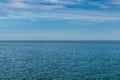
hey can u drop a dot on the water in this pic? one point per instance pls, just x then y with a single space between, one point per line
59 60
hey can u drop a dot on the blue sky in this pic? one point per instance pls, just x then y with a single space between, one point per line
60 20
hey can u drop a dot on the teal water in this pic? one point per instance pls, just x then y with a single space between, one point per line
59 60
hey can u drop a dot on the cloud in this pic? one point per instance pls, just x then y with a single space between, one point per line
69 15
99 5
22 5
56 10
19 4
114 2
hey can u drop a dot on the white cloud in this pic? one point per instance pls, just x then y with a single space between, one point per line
69 15
19 4
18 9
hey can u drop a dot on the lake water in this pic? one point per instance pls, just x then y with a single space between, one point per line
59 60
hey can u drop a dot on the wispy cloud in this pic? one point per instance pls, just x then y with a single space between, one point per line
114 2
57 10
100 5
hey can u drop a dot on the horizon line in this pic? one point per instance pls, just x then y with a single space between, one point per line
59 40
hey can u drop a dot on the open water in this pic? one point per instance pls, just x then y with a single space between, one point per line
59 60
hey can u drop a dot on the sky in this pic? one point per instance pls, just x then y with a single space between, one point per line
59 19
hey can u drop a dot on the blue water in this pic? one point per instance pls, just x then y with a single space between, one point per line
59 60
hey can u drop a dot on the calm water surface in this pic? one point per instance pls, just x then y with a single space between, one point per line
59 60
